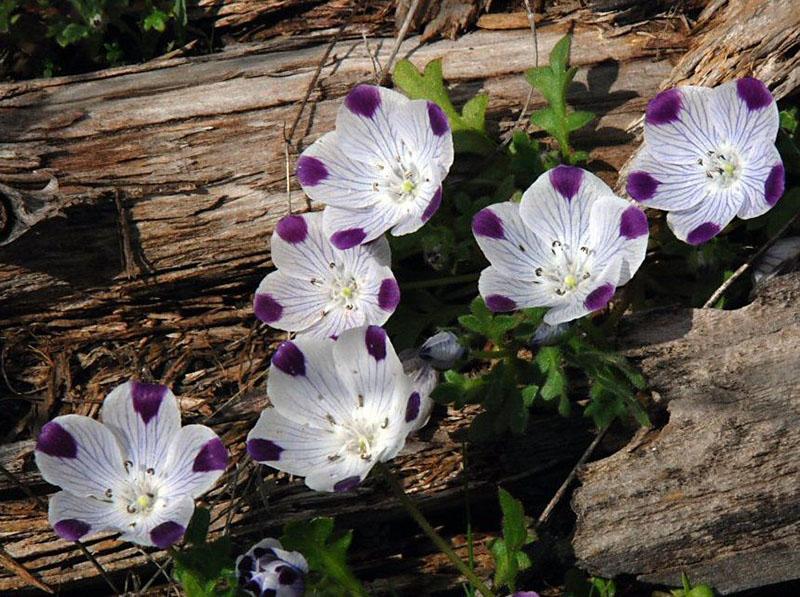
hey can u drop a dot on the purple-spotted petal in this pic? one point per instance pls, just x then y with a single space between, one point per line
500 303
375 340
618 232
425 131
413 406
762 182
745 113
702 233
699 225
347 484
264 450
289 359
348 238
599 297
363 100
678 127
566 180
433 206
503 292
79 455
74 518
197 459
292 229
71 529
389 294
145 418
167 534
267 308
311 171
289 303
642 186
664 108
663 185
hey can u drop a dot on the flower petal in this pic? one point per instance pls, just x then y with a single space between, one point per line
556 206
664 185
678 125
366 358
425 131
145 418
587 298
289 303
510 246
197 458
419 211
700 224
347 228
503 292
299 247
80 455
164 526
304 383
618 230
74 518
762 182
744 112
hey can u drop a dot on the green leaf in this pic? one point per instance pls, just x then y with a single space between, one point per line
155 21
546 119
515 531
474 112
578 120
206 570
472 323
529 394
72 33
197 530
325 554
507 551
559 55
789 120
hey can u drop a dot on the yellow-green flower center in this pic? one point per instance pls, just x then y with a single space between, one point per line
571 282
408 186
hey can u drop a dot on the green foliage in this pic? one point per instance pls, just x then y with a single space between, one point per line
576 584
326 555
557 119
509 558
205 569
469 125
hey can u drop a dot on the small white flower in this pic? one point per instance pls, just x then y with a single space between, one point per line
319 290
442 350
709 155
567 245
137 472
338 408
382 168
268 569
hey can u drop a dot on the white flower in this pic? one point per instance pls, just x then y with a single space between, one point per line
320 290
567 245
709 155
268 569
442 350
338 408
137 472
382 168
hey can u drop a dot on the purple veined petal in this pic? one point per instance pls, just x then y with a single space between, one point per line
416 213
442 350
425 131
330 175
424 379
347 228
389 294
618 230
145 418
304 384
590 297
347 484
599 297
367 362
744 112
366 125
288 303
74 518
701 224
502 292
348 238
509 245
196 460
678 126
413 407
556 206
165 526
307 254
167 534
762 182
433 206
79 455
292 229
663 185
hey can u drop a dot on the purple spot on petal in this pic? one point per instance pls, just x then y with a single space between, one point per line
363 100
246 563
56 441
774 185
266 308
439 124
753 93
212 457
166 534
310 171
498 302
599 297
389 294
147 399
412 407
71 529
703 233
290 359
487 223
566 180
433 206
642 186
346 239
263 450
633 223
664 108
269 593
375 339
292 229
347 484
286 575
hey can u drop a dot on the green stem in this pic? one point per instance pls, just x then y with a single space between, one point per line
420 519
343 576
452 280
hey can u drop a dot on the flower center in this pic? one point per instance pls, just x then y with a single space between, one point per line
568 269
359 438
137 496
344 290
722 167
401 180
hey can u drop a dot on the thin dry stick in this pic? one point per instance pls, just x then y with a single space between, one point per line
401 35
155 576
376 67
747 264
41 503
161 570
9 563
521 117
565 485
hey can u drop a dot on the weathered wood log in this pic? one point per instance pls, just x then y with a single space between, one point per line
714 492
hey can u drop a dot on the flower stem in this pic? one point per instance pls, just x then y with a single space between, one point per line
420 519
451 281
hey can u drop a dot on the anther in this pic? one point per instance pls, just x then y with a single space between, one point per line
151 471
